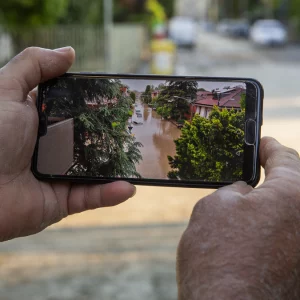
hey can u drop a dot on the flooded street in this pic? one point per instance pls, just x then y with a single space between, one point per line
157 137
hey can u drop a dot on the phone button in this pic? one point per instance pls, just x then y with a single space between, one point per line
250 134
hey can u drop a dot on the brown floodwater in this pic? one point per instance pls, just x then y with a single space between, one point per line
157 137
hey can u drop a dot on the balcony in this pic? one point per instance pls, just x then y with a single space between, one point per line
56 148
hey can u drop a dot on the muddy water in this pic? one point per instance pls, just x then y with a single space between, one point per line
157 137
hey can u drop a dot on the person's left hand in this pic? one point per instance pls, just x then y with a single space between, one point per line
27 205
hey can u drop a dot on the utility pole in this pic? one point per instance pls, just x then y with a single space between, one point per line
108 27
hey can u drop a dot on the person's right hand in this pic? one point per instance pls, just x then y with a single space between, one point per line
27 205
244 243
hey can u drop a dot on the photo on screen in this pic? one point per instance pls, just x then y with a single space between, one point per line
137 128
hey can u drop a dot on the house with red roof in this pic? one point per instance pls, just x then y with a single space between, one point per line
206 100
155 94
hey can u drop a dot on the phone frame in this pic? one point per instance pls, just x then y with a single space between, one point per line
254 111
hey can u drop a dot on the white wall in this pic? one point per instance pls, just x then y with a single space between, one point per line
192 8
6 51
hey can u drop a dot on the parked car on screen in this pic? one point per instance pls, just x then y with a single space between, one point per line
268 33
183 31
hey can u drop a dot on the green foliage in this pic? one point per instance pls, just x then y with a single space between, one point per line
175 96
146 97
31 13
83 12
169 6
137 12
164 111
133 96
243 101
294 9
102 145
210 149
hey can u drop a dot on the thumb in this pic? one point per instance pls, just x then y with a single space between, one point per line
30 67
275 158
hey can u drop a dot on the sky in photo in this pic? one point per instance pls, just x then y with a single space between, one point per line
140 85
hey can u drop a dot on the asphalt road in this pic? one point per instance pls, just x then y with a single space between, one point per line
128 252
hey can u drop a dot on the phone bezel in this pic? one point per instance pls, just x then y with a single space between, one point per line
251 168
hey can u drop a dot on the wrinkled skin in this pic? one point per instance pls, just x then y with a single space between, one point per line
27 205
244 243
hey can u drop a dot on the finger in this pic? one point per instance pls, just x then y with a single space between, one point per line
274 156
232 193
87 197
33 94
239 187
32 66
222 199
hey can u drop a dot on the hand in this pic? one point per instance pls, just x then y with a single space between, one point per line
27 205
244 243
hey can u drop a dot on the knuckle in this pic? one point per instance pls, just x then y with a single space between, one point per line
30 51
292 152
202 206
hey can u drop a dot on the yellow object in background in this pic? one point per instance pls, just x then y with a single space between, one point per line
163 57
157 10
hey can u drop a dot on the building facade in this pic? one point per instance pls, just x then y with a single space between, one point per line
206 100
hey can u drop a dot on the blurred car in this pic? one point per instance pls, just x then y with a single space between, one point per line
268 33
208 26
234 27
183 31
239 28
224 26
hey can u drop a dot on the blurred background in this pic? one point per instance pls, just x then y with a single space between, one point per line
129 252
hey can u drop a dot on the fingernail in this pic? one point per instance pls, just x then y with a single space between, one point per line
63 49
134 192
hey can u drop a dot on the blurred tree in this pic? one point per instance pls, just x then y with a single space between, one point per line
140 11
83 12
19 17
210 149
294 8
31 13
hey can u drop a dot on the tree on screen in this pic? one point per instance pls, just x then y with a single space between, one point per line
100 109
210 149
176 97
133 96
146 97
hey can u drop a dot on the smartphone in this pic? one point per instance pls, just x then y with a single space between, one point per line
150 130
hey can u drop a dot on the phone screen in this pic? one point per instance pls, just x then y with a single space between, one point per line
143 128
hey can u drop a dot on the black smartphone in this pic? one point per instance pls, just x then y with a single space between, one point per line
149 130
